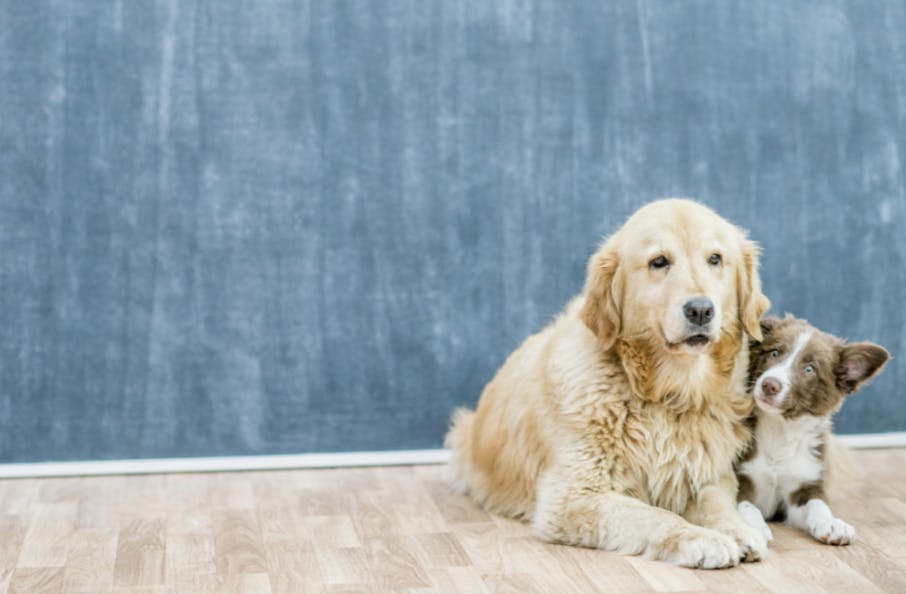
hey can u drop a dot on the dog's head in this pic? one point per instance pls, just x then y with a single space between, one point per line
678 276
797 369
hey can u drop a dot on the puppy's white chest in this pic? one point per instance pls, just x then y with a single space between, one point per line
785 459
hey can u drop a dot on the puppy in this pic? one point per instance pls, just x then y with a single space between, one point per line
617 425
800 376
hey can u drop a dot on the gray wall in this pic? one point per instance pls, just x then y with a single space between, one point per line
251 227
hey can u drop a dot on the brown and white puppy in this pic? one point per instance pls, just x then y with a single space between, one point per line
800 376
617 425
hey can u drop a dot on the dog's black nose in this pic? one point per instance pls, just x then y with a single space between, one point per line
699 311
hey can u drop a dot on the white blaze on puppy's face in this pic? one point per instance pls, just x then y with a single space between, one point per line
780 372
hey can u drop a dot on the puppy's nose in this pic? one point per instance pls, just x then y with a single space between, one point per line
699 311
770 386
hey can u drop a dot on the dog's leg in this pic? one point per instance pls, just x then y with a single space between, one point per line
614 522
816 518
751 514
715 507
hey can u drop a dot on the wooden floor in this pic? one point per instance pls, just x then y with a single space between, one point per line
383 529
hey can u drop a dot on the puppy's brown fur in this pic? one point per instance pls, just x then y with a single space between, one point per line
800 376
611 428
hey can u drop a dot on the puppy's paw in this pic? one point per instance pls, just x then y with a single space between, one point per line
753 517
833 531
700 548
752 542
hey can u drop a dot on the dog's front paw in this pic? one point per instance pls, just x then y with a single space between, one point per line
701 548
833 531
752 515
752 541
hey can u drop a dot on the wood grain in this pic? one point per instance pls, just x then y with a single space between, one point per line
381 530
47 540
238 544
37 580
90 565
140 553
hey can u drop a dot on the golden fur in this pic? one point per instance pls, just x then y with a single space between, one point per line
605 429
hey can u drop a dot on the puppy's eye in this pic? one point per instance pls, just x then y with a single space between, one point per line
809 370
659 262
715 260
775 353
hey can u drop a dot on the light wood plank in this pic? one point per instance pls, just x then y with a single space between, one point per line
37 580
247 583
292 566
663 577
439 549
455 580
393 565
238 545
191 563
6 576
140 553
339 565
90 565
386 529
604 571
335 530
12 535
47 542
878 567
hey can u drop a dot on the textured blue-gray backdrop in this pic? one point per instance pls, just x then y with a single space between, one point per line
252 227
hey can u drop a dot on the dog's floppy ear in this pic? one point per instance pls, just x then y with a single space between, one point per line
601 311
858 363
752 302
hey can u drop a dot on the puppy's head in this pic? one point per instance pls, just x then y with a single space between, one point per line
797 369
675 274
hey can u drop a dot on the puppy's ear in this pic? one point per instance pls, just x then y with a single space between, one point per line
752 302
767 326
858 363
601 311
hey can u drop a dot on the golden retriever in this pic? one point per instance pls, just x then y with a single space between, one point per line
617 425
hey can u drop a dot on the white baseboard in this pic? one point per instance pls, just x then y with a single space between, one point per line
862 441
223 464
292 461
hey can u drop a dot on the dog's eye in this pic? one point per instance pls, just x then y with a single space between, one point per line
715 260
809 369
775 353
659 262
